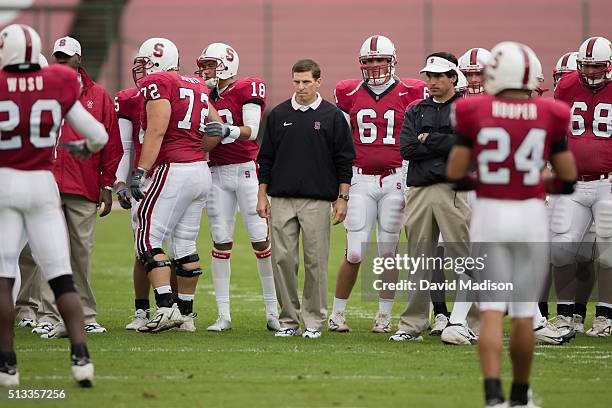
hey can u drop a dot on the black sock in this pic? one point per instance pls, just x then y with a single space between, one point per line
141 304
543 309
163 300
440 308
518 394
493 391
565 310
8 358
603 311
79 350
185 306
580 309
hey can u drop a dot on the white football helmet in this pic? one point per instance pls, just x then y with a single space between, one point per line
473 62
19 45
462 83
42 61
377 46
512 66
540 75
227 61
567 63
155 55
594 62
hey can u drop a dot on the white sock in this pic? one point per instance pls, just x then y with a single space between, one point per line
385 306
186 297
339 305
537 317
608 305
221 271
266 275
460 312
164 289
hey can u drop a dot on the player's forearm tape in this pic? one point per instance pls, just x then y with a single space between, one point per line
234 132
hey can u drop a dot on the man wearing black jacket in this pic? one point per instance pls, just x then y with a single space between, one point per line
432 207
305 163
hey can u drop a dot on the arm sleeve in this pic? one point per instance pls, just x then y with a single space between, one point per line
344 149
113 151
251 117
83 122
410 147
266 155
123 170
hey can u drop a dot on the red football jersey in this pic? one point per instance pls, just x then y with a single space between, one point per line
188 96
128 105
511 141
591 124
32 106
229 105
376 120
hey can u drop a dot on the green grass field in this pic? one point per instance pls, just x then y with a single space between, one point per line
249 367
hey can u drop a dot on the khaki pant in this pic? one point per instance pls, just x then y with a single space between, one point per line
432 210
288 216
35 299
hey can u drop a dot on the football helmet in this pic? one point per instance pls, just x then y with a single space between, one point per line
567 63
377 47
155 55
473 62
462 83
42 61
227 61
540 90
594 62
512 66
19 45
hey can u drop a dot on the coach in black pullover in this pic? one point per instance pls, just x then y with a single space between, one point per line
305 162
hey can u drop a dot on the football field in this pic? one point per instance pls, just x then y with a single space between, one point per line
249 367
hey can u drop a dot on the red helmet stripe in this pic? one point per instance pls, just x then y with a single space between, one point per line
473 56
590 45
374 43
565 59
527 67
28 44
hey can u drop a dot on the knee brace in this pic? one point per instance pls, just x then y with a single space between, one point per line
221 254
62 284
265 253
146 258
191 273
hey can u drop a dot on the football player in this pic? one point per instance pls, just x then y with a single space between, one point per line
565 64
509 137
374 107
589 94
33 102
472 64
176 113
240 102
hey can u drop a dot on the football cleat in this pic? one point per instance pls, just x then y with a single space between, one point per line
58 331
42 328
337 323
272 322
287 332
94 328
530 403
458 334
83 371
9 376
602 327
547 333
311 334
188 323
401 335
165 318
221 324
565 326
578 322
26 322
138 320
440 322
497 405
382 323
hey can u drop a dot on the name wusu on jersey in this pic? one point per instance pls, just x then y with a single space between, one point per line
29 84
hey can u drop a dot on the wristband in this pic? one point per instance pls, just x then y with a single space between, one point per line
234 132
